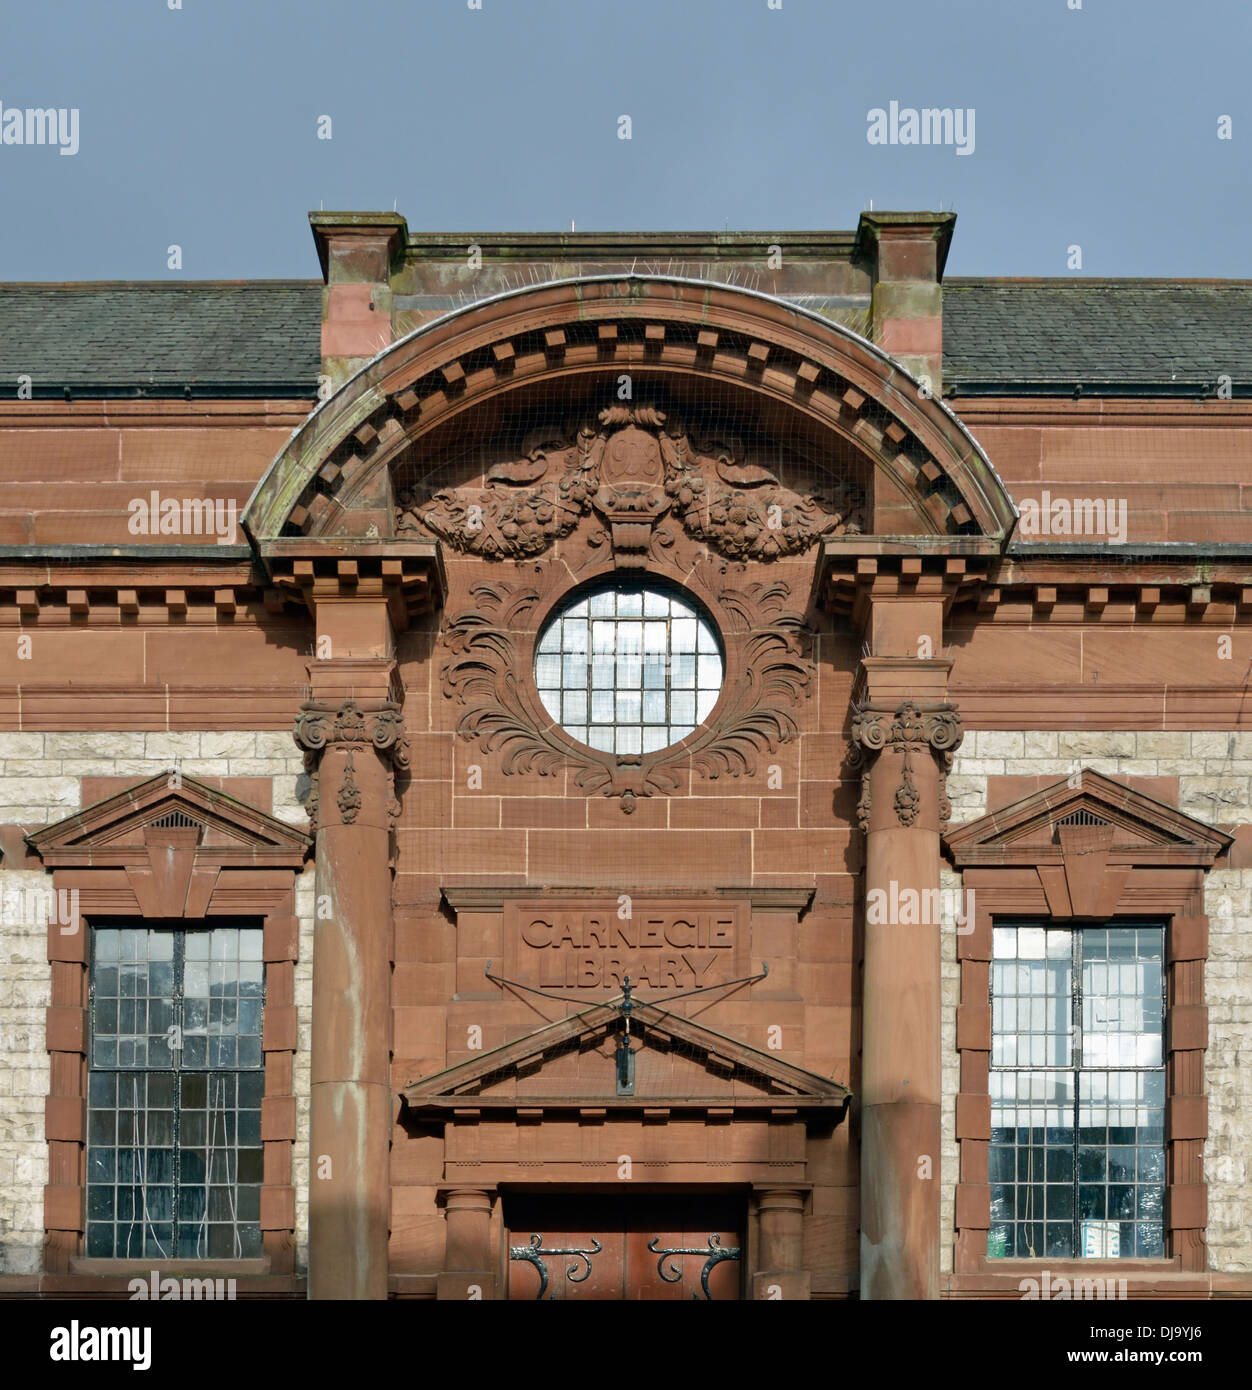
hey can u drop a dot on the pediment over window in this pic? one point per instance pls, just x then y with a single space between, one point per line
679 1065
1099 815
171 844
1084 842
217 826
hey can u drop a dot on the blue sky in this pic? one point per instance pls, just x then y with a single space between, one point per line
198 126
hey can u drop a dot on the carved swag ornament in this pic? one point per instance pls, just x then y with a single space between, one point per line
318 726
631 473
487 672
935 728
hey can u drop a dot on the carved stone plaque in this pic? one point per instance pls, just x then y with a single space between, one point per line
591 945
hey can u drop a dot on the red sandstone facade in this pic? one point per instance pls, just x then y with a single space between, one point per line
482 882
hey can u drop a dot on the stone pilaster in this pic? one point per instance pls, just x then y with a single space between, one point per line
905 751
468 1264
781 1274
354 746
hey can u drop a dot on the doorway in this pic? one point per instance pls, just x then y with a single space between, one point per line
604 1248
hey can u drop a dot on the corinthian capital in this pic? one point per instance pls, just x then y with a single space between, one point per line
318 726
909 726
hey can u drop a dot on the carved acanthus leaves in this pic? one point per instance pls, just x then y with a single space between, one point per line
485 674
630 470
743 510
777 676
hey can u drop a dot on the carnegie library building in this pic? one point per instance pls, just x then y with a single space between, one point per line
635 766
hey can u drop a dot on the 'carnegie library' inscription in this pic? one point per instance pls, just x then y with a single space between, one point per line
661 946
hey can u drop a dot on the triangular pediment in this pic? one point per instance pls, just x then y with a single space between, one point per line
1090 812
571 1064
118 830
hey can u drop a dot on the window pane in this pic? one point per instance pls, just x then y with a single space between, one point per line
655 671
1076 1159
157 1128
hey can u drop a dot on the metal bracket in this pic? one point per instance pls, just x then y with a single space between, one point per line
533 1251
715 1251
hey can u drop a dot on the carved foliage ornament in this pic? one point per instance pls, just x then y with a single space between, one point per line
935 729
318 726
631 473
487 672
349 798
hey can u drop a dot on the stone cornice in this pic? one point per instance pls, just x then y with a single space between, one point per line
493 896
1122 584
407 574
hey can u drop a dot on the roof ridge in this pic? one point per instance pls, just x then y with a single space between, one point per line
1092 282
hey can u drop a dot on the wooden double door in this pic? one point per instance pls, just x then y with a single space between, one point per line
603 1248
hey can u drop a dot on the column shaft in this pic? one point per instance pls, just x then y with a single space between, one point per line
351 1096
900 1010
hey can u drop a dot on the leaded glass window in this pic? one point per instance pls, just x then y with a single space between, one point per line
630 669
1077 1153
175 1080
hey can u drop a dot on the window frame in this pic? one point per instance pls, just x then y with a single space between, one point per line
179 929
1019 862
115 865
1075 1068
617 582
1186 1124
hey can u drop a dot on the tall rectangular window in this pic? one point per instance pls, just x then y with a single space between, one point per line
175 1079
1077 1153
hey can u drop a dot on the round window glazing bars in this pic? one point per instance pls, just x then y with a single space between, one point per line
629 669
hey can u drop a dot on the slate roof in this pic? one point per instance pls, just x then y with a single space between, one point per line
262 338
1171 334
108 338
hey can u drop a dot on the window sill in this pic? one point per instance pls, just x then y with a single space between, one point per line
988 1266
1069 1263
191 1269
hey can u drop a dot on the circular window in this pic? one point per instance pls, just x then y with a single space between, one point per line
629 669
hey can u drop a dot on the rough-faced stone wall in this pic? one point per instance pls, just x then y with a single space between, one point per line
300 1079
950 1064
1207 775
25 992
41 781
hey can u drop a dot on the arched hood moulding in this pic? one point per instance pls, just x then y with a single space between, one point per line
565 334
